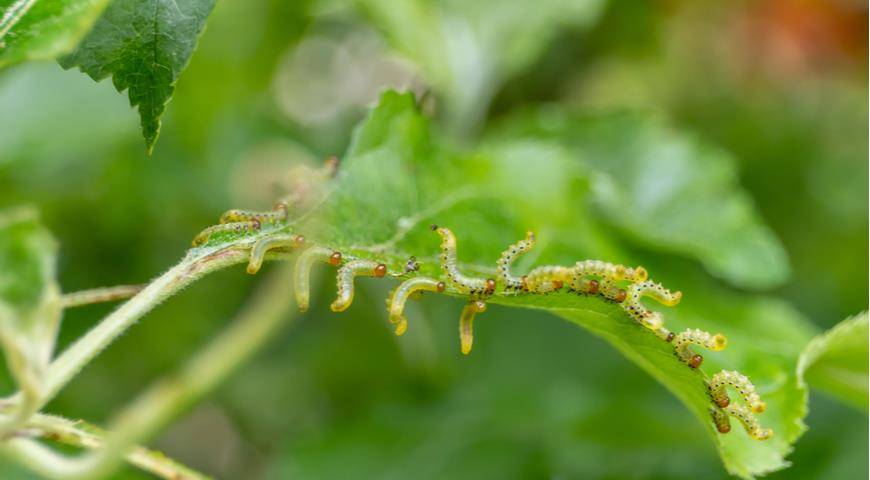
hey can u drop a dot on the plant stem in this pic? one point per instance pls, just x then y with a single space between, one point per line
255 325
81 434
99 295
74 358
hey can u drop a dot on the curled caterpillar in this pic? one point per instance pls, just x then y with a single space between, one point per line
750 423
720 382
655 291
503 266
633 306
302 272
346 275
263 245
398 297
476 287
701 338
466 324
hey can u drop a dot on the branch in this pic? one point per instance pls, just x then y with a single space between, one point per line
74 358
84 435
254 326
99 295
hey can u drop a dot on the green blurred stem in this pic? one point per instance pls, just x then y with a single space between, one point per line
83 435
28 381
254 326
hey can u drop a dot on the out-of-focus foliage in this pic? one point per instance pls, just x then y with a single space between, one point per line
29 294
662 189
837 361
32 30
780 86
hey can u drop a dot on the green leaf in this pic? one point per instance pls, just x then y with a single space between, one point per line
399 177
42 30
669 192
29 294
836 362
144 46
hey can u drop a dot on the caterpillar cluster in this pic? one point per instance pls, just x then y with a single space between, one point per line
625 286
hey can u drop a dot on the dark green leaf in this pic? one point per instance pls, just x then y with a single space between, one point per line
144 46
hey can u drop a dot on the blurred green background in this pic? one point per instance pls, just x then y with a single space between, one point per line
781 84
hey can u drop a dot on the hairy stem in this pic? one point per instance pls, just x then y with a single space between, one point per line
74 358
82 435
99 295
254 326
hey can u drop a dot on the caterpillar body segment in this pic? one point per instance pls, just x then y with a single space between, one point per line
720 382
548 278
721 420
346 275
701 338
613 271
665 334
466 324
648 318
278 214
653 290
263 245
302 272
476 287
503 266
238 227
398 297
608 277
750 423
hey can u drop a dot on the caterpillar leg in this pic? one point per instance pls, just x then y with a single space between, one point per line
720 382
476 287
262 246
398 297
346 275
246 226
466 324
750 423
701 338
503 265
302 271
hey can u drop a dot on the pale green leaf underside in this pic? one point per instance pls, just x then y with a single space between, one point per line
144 45
836 362
29 294
398 178
44 29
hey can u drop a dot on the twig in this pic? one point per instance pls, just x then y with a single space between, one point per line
99 295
